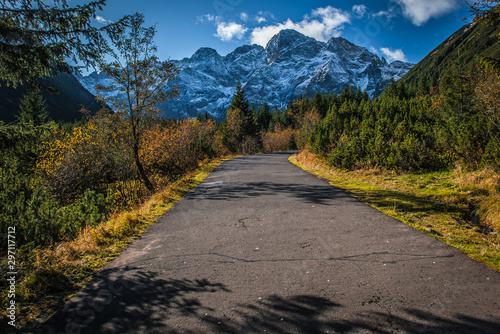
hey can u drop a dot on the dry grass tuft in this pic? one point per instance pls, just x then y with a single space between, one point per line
482 186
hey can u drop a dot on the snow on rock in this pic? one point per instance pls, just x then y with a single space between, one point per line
290 65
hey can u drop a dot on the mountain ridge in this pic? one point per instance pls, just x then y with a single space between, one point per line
458 50
290 66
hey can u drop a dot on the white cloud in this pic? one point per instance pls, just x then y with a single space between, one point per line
421 11
359 10
333 19
262 35
323 24
102 20
228 31
384 13
260 19
244 16
207 18
393 55
267 14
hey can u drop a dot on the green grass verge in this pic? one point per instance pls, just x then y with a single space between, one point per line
48 278
433 202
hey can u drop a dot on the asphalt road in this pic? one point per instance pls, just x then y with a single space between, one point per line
264 247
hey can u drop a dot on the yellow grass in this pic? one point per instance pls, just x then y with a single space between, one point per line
457 207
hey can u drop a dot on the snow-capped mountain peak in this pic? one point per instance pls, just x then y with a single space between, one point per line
290 65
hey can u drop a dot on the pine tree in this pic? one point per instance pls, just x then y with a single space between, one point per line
241 129
37 39
422 86
264 116
239 102
318 103
33 108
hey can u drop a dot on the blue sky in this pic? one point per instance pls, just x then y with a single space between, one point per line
397 29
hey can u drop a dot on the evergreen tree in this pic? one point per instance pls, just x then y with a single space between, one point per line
318 102
33 108
359 94
422 87
203 117
37 39
264 116
391 89
239 102
275 118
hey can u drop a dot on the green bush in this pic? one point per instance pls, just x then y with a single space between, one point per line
37 216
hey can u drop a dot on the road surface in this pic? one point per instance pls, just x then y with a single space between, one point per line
264 247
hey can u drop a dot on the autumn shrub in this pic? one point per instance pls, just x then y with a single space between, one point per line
280 140
483 187
89 158
77 178
233 130
172 149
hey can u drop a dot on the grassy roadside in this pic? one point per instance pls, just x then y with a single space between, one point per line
49 277
455 207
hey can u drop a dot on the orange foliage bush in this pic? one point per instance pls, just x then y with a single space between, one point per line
91 157
98 156
172 149
280 140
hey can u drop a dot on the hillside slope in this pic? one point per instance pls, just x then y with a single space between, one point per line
461 48
64 106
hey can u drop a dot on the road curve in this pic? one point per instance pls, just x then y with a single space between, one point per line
264 247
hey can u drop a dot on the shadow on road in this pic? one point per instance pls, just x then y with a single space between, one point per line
130 300
307 314
311 194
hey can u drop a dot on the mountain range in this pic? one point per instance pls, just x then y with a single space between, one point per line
290 66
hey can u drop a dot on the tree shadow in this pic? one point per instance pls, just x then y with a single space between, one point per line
311 314
130 300
314 194
126 299
411 203
277 314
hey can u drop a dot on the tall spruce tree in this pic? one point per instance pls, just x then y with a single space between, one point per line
239 102
33 108
241 129
263 117
38 39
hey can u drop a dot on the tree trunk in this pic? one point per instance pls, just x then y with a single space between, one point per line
141 170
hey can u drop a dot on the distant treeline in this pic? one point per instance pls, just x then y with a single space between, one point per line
410 127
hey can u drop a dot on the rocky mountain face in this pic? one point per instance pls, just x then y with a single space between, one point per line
291 65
